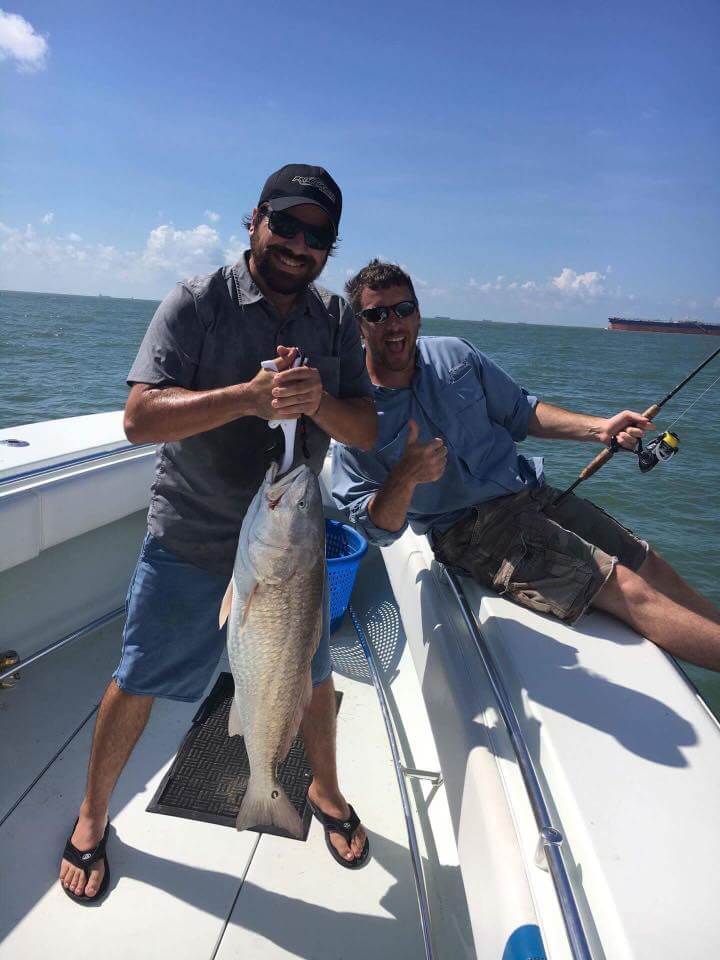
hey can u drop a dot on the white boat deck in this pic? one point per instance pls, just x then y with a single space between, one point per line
626 756
190 889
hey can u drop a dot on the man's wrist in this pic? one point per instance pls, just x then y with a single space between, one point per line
244 400
401 477
323 394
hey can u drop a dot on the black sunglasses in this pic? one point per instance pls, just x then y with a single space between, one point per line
285 225
380 314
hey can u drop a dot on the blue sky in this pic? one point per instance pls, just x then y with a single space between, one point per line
544 162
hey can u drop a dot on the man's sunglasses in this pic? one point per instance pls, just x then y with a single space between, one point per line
402 309
285 225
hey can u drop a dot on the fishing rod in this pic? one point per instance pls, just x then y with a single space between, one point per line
660 449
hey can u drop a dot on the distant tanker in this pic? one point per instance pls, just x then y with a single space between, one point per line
663 326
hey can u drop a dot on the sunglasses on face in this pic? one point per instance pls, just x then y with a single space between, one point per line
285 225
402 309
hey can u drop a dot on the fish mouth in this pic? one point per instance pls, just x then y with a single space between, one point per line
277 487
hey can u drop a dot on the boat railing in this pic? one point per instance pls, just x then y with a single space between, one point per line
401 772
550 837
60 466
11 664
9 675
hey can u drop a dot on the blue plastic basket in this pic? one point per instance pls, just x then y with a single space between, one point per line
344 549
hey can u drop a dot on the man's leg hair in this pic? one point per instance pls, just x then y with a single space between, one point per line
319 733
120 721
659 605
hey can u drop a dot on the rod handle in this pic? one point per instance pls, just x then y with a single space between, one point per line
600 460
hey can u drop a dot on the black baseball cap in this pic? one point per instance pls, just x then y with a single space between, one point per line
297 183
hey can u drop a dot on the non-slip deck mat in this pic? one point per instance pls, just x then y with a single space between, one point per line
209 776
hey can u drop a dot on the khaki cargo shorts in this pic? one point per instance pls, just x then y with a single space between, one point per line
550 559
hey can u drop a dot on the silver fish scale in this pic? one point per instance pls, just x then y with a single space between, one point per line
270 661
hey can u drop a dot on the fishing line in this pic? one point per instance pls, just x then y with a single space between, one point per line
693 403
662 448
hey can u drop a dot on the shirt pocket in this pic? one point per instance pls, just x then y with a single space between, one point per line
462 390
329 370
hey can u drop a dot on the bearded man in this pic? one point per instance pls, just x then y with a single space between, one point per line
199 391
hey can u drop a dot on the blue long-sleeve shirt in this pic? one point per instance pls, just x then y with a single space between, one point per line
461 396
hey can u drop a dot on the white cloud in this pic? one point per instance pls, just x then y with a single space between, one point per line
235 248
66 263
49 217
19 42
183 250
716 303
212 216
565 287
579 284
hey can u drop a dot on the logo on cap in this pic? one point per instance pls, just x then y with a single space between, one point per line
317 183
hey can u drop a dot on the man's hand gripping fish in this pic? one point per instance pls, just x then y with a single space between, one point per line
274 607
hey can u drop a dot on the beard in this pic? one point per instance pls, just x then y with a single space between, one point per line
272 273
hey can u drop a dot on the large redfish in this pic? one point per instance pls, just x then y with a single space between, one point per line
275 607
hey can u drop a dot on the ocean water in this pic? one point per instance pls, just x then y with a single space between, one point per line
63 356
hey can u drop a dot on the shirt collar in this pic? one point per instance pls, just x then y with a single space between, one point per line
245 287
420 362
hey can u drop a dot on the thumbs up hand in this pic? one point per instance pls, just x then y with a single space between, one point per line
422 462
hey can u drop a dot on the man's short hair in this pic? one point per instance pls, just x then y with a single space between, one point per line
376 276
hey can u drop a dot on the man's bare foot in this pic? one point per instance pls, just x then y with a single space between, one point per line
87 834
336 806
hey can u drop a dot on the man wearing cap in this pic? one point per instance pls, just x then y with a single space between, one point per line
199 391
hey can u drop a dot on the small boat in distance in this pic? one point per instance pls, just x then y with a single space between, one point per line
636 325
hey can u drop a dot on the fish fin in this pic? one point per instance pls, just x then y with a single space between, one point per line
234 722
226 604
246 608
268 806
303 702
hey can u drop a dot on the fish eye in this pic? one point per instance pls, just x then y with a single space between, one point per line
301 504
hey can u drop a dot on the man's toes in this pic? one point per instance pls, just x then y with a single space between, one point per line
358 843
80 884
93 884
340 844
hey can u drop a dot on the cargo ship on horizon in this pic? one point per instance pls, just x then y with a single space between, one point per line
637 325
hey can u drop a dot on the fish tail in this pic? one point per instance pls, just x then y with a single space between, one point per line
267 805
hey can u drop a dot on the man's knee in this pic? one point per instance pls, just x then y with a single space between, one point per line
117 697
633 588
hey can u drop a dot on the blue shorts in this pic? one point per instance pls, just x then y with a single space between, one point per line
171 641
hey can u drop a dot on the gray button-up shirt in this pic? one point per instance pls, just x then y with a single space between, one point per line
460 395
211 332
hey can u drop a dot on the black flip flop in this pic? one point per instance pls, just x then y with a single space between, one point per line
345 827
84 859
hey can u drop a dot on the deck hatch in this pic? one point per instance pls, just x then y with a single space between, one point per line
209 776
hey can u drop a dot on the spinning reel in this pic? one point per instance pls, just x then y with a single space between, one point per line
659 450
